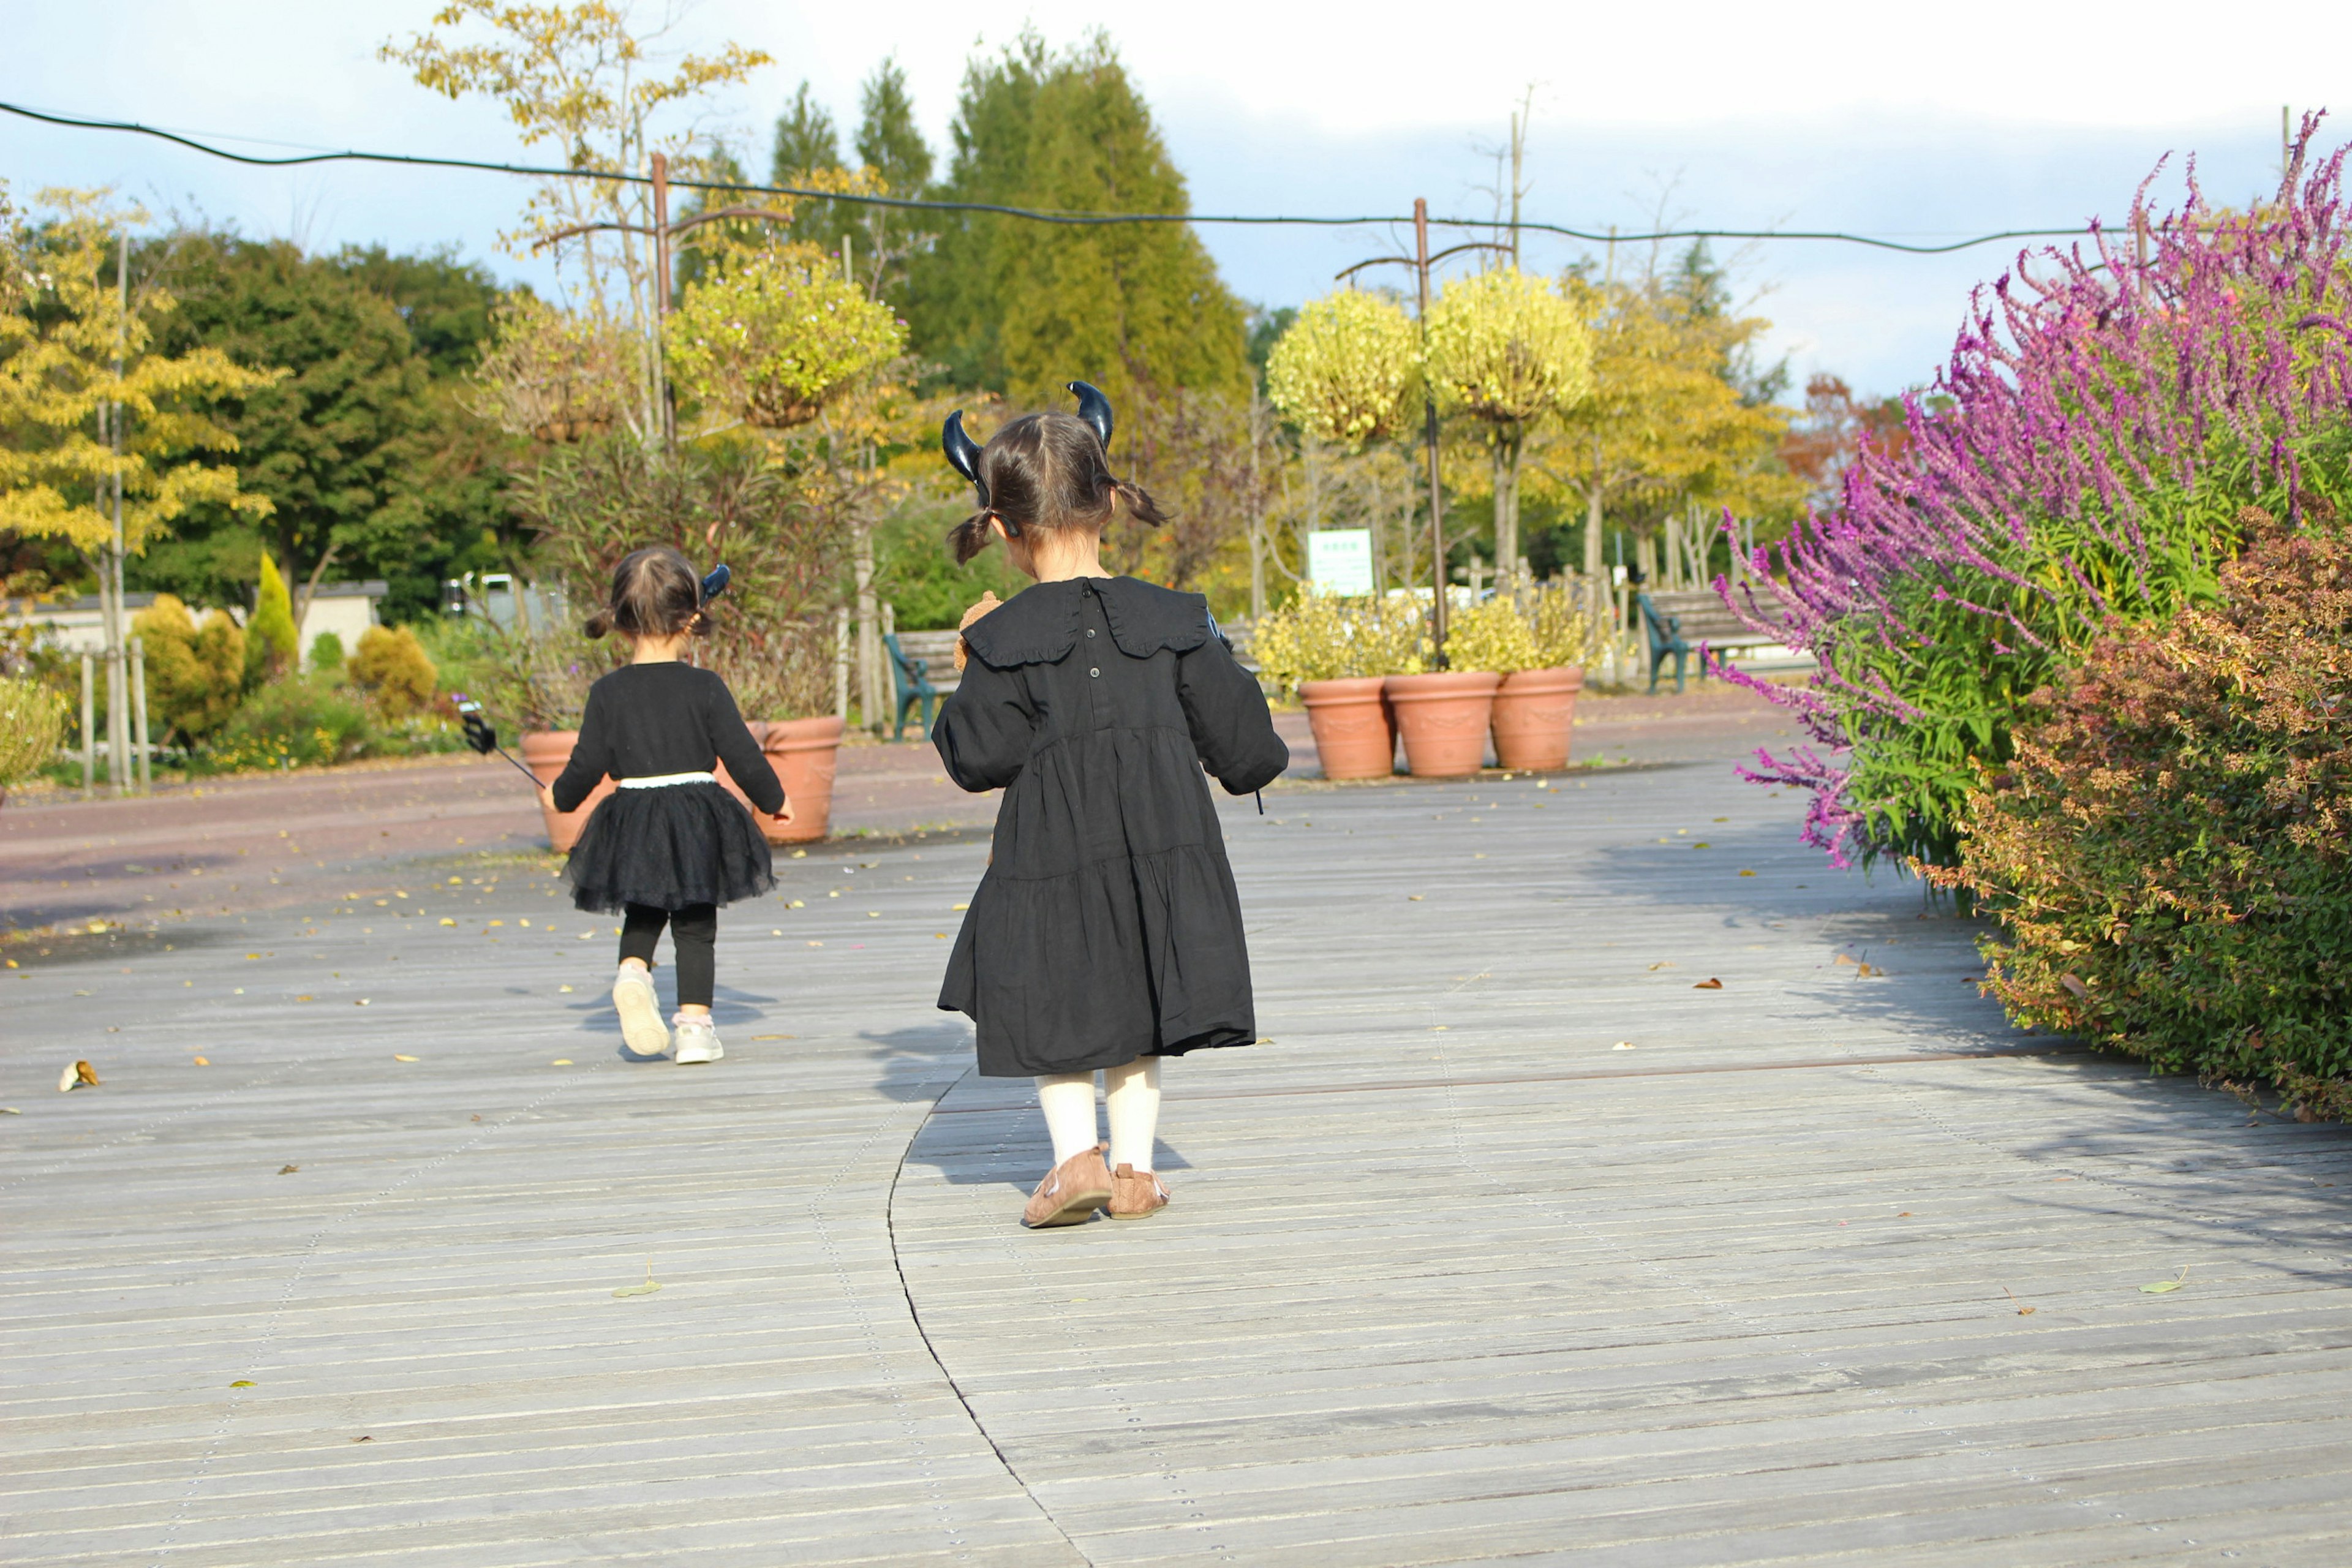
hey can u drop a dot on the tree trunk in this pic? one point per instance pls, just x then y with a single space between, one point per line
1509 442
1593 562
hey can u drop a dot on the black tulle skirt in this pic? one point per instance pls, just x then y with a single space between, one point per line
669 846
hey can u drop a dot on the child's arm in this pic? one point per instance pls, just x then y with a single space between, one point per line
590 759
985 729
747 764
1231 728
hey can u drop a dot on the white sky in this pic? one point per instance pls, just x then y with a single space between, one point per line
1922 121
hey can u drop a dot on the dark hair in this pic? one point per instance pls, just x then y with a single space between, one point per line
656 593
1047 471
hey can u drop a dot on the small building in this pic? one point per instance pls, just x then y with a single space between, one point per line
346 609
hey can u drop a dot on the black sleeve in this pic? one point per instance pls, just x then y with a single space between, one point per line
591 755
747 764
985 729
1231 728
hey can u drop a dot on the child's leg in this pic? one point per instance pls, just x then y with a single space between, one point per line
1067 1098
633 987
641 927
694 932
1134 1105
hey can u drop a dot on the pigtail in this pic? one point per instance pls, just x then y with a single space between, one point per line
599 623
1139 503
969 537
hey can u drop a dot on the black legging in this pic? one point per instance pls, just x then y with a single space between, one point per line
693 931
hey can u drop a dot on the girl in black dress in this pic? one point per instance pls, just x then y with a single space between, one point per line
669 845
1107 933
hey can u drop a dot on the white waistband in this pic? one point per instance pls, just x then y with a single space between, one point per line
661 781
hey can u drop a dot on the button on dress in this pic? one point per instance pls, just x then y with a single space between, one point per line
1107 926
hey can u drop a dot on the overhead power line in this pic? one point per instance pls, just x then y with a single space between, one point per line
1034 215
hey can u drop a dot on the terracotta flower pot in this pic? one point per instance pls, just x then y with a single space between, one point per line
802 751
1443 717
1355 736
544 753
1533 712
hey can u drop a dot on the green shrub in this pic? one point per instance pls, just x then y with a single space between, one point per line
195 670
327 651
301 721
2170 849
32 724
390 665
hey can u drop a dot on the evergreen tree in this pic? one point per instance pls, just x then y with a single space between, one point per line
1136 308
887 138
951 299
891 146
807 142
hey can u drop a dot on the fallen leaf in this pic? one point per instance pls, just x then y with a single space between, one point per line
288 1170
359 1002
1662 964
12 1110
816 944
306 998
775 1037
2022 1309
797 904
242 1383
363 1439
800 854
776 932
1745 873
647 1289
1702 845
1847 958
478 1116
447 921
1905 1214
398 1058
1708 985
2161 1286
560 1062
1622 1046
2074 985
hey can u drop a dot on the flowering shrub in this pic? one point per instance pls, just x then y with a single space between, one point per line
1322 636
300 721
1345 368
774 335
2084 458
2170 853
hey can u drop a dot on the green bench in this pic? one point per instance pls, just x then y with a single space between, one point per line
1678 622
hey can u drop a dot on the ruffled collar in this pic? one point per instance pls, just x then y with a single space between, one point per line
1041 624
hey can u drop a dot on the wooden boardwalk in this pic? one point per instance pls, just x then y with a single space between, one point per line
1512 1245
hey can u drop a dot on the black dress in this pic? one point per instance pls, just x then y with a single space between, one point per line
1107 926
668 845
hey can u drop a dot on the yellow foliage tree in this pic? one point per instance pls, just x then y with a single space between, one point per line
772 335
583 78
61 390
1346 369
1506 350
1664 422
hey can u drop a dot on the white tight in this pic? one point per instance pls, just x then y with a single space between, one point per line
1132 1095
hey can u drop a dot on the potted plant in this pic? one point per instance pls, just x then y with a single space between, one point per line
1541 656
1336 654
1443 718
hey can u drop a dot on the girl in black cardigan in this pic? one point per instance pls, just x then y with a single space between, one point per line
1107 933
669 845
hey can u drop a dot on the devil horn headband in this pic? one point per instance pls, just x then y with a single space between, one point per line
1094 408
963 452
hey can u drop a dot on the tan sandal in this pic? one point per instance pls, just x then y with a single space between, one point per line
1071 1192
1135 1195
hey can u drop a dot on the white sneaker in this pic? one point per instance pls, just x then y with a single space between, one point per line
641 1026
698 1040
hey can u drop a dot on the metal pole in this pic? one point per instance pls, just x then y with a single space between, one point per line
89 724
139 746
118 711
1429 431
665 409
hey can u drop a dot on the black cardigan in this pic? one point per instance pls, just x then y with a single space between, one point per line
646 720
